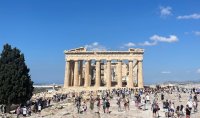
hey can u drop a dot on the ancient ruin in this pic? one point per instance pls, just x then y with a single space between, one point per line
103 69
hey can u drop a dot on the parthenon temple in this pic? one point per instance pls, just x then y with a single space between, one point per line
103 69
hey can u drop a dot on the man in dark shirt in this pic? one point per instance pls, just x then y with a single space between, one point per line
166 107
188 111
162 96
195 97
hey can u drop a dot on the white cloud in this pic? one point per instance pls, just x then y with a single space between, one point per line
170 39
197 33
166 72
153 41
95 44
147 43
198 70
95 47
192 16
130 44
165 11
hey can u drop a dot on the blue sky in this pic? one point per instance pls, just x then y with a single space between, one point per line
168 30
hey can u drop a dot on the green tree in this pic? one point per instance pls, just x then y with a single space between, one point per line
16 86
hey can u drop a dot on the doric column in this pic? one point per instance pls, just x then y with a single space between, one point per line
76 75
140 74
80 73
119 73
108 82
71 80
86 73
98 72
90 73
130 76
67 74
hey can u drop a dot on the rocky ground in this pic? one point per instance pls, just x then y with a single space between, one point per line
66 109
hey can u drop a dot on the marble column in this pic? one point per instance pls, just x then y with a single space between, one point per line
76 74
130 76
135 71
67 74
90 73
86 83
71 80
80 73
119 73
108 81
140 74
98 74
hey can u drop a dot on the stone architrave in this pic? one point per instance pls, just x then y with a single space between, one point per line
140 74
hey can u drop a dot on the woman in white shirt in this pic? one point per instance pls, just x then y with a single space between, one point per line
24 111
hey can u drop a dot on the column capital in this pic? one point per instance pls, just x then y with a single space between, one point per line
98 60
67 60
130 60
108 60
76 60
87 60
140 60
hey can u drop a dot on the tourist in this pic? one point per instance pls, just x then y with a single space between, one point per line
104 105
84 106
119 103
78 103
147 98
181 111
125 104
3 109
188 111
179 97
166 108
128 104
190 104
195 97
18 111
29 110
39 108
91 103
195 105
154 108
24 111
190 97
49 102
172 109
177 111
98 104
162 96
107 105
143 104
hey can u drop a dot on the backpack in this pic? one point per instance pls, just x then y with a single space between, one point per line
155 106
107 104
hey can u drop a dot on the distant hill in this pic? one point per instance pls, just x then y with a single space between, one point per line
182 82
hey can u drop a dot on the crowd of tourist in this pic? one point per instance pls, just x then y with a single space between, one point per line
142 99
32 106
99 102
